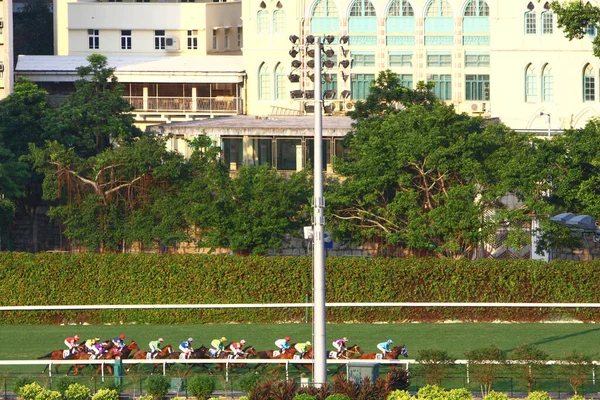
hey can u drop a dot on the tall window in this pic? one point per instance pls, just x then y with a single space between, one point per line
477 8
215 40
530 21
93 39
530 84
547 20
589 84
406 80
547 84
263 22
443 86
226 38
362 8
264 82
239 37
439 8
126 39
192 39
280 79
159 40
325 8
279 21
477 87
361 84
401 8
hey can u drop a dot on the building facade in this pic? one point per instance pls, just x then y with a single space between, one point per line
6 48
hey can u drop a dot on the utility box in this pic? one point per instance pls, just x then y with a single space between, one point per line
358 371
118 372
176 384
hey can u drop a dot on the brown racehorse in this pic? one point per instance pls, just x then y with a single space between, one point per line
164 353
58 355
390 355
119 353
351 352
108 346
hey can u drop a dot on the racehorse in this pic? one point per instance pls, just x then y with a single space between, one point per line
107 346
390 355
119 353
350 352
59 355
144 355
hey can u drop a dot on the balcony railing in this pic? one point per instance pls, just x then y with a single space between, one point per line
188 105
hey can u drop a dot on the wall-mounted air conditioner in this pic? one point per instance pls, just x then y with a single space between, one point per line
171 44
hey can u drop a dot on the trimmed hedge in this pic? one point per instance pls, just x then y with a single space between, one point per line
62 279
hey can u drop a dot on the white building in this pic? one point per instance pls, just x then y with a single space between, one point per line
6 52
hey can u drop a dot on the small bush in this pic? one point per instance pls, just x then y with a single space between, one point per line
247 381
304 396
538 395
76 391
338 396
46 394
496 396
147 397
577 397
157 386
201 386
399 395
432 392
460 394
106 394
20 382
63 383
29 391
113 385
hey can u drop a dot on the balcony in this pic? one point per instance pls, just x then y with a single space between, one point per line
183 108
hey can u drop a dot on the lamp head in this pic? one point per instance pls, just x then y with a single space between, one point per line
294 39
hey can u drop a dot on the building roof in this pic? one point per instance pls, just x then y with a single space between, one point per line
221 68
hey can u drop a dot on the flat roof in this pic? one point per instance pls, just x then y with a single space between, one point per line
268 122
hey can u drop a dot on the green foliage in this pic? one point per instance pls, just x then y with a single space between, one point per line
20 382
574 17
399 395
76 391
304 396
338 396
46 394
29 391
436 364
244 398
538 395
485 365
432 392
157 386
114 385
459 394
106 394
496 396
576 367
247 381
63 383
577 397
33 26
201 386
533 359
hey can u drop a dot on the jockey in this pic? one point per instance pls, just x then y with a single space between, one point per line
236 348
155 347
219 345
186 347
384 347
283 344
89 345
119 342
71 343
340 346
302 348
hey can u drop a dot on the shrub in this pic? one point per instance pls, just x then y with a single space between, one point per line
201 386
492 395
29 391
157 386
432 392
46 394
63 383
338 396
247 381
76 391
20 382
112 384
147 397
106 394
577 397
399 395
435 363
538 395
460 394
304 396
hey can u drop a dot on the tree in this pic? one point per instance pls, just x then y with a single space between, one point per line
485 366
576 367
532 360
576 18
33 28
96 115
420 178
436 364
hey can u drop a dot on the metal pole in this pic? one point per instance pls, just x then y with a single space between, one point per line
319 340
549 125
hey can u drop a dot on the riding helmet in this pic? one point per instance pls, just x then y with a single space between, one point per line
308 343
76 337
287 338
390 341
161 340
97 339
223 339
345 339
122 336
190 339
242 341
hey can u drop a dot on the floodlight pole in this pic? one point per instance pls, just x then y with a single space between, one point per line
319 318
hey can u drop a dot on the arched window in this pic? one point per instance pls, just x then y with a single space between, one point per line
325 18
439 8
264 82
477 8
547 20
362 8
530 85
280 81
262 19
547 84
400 8
530 21
589 84
278 21
325 8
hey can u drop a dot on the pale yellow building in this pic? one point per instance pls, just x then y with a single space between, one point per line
6 48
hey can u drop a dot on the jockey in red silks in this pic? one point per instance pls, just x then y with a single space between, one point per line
236 348
71 343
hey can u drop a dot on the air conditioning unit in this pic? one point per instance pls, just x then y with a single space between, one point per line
171 44
477 109
349 105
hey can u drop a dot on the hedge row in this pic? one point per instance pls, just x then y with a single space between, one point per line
61 279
